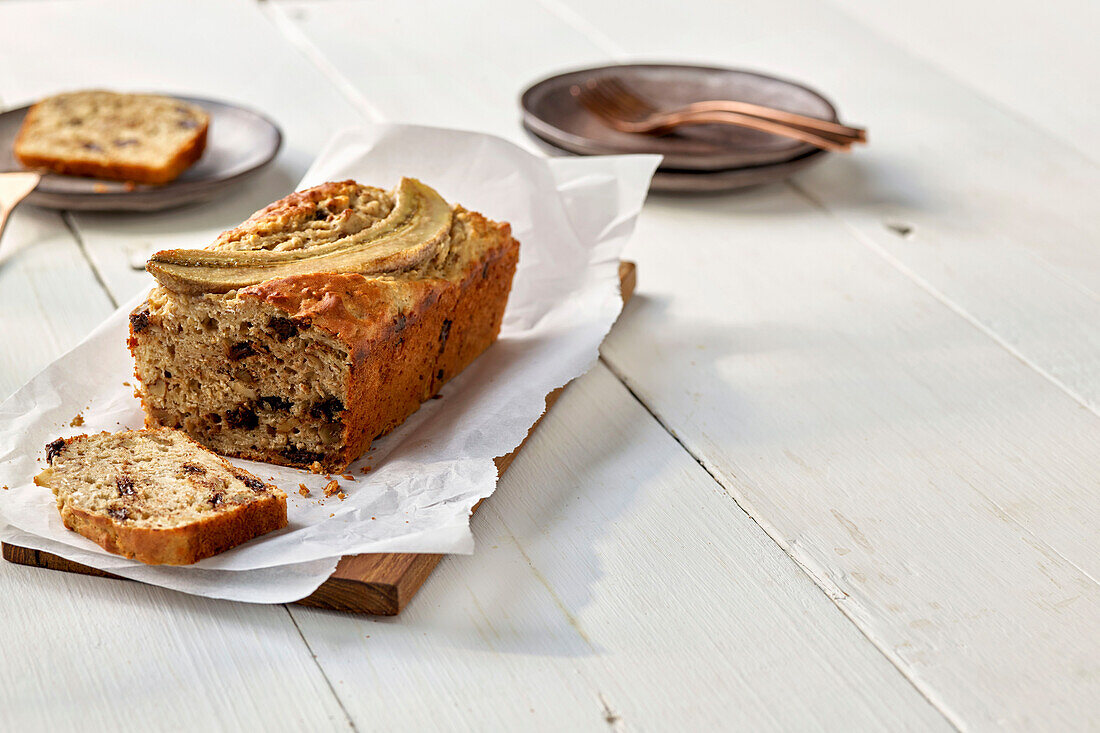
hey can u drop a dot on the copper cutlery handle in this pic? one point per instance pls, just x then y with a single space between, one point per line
668 121
778 115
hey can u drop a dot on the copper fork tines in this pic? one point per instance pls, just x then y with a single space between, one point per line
620 107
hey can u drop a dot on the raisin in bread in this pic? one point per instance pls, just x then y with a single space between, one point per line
320 323
156 496
128 137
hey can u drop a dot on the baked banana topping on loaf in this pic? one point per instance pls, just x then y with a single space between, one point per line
128 137
156 496
321 322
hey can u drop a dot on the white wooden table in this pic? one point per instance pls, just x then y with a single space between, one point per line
838 468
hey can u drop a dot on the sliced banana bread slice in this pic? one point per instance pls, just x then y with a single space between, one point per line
156 496
320 323
127 137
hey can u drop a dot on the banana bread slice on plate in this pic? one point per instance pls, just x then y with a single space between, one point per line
142 138
156 496
320 323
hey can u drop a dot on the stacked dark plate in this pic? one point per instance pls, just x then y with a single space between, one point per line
696 158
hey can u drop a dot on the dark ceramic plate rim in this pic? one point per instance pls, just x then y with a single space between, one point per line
146 197
585 146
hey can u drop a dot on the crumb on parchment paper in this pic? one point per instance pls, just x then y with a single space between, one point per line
316 467
341 496
332 487
347 477
303 490
77 421
365 469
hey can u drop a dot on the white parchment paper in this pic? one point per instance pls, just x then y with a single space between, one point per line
572 217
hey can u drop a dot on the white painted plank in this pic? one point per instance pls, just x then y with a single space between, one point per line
457 79
1004 234
942 491
82 653
969 476
118 653
614 582
1040 60
353 58
943 633
1002 215
49 296
241 59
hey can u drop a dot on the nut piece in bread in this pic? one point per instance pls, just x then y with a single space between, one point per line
126 137
156 496
309 368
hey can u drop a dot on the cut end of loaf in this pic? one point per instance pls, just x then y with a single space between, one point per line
241 377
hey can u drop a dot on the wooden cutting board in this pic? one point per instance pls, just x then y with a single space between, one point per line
380 584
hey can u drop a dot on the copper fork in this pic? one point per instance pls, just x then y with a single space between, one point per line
624 110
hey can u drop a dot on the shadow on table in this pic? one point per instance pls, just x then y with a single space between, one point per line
538 537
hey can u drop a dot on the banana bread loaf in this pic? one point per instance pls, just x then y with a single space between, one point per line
320 323
156 496
127 137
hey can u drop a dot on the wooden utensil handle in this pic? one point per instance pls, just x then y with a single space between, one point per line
14 187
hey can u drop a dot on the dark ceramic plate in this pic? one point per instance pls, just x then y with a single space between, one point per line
669 180
554 114
239 144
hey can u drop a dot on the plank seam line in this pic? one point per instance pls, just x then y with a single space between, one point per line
776 537
283 23
929 288
320 669
1057 272
577 22
572 620
922 58
613 719
973 321
70 224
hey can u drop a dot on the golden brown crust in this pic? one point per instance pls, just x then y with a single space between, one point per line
175 167
182 545
282 214
406 338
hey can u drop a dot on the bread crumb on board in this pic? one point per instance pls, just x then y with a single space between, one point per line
332 487
303 490
77 421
